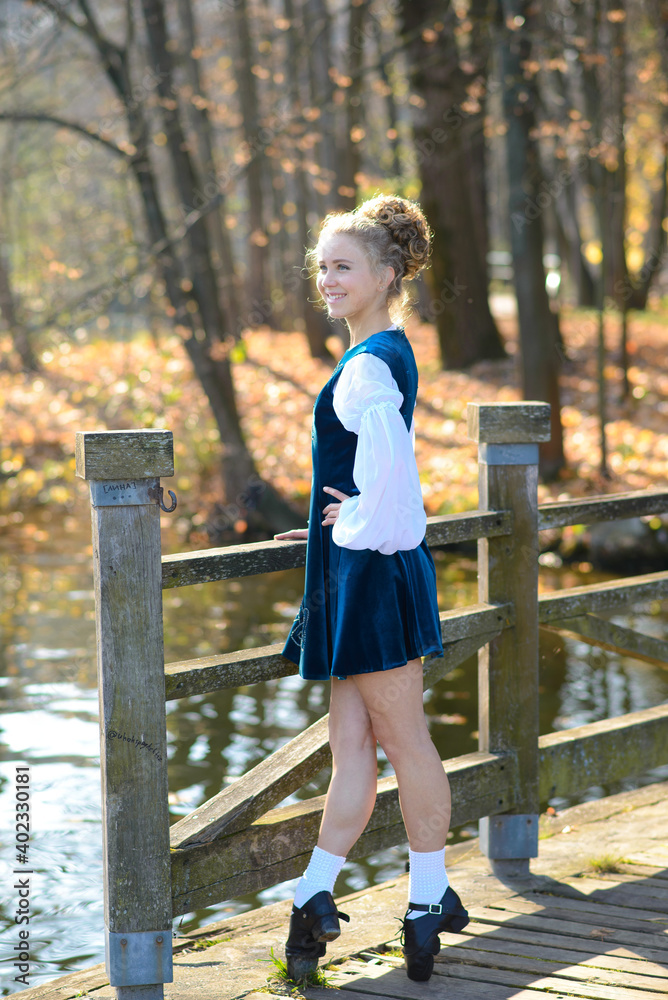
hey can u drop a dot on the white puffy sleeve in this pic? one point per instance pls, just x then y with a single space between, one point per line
389 513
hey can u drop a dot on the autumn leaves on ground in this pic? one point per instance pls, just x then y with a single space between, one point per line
111 385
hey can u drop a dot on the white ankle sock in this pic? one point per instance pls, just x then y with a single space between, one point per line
427 879
320 874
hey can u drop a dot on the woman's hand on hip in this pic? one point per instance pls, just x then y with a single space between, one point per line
331 511
294 535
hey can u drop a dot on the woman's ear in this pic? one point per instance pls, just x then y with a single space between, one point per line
387 279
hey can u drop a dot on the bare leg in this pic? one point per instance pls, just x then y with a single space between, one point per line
352 789
393 700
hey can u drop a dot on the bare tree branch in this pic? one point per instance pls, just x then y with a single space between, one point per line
39 116
112 55
103 43
62 15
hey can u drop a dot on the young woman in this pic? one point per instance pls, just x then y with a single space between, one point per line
369 611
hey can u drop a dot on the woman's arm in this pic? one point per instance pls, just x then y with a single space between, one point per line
388 514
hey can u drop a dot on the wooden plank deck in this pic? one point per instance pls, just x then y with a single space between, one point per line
567 932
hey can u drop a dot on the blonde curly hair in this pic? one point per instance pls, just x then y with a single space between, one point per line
394 233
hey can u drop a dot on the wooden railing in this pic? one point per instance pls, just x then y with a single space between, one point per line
243 840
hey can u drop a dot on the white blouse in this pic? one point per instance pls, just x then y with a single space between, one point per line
389 513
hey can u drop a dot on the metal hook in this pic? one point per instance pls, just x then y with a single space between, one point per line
157 493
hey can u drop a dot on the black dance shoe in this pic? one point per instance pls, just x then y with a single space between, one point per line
419 937
311 926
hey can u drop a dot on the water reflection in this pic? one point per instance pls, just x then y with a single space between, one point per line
49 701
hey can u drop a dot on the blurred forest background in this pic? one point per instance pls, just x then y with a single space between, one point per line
164 164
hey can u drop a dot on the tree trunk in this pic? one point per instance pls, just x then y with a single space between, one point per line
215 374
475 77
241 482
9 312
538 325
615 210
349 154
250 110
636 294
460 307
570 245
318 28
316 325
375 31
657 235
201 125
563 177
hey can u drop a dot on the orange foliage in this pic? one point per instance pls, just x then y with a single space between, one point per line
138 384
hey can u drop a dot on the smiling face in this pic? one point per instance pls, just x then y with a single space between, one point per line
351 288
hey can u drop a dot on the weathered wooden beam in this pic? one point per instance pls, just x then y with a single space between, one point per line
133 751
290 767
615 638
250 666
448 529
119 455
254 793
226 670
611 596
602 752
204 565
507 437
559 513
277 846
508 423
461 623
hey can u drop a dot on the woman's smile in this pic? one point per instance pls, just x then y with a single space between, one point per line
351 288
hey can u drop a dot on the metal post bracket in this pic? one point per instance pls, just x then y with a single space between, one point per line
139 958
509 835
123 492
508 454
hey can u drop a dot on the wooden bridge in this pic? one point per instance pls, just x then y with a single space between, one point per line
243 840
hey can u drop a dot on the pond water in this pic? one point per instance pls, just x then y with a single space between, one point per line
49 720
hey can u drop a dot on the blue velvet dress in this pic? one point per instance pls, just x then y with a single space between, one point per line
362 610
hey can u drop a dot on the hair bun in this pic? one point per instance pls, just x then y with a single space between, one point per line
407 226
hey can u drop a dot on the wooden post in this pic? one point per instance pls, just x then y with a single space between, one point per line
123 469
508 436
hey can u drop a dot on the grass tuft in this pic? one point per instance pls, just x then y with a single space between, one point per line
606 863
206 943
280 976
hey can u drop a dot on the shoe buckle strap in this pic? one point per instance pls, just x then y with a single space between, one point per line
435 908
